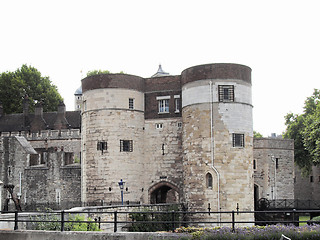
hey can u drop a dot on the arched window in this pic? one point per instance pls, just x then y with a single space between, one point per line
209 180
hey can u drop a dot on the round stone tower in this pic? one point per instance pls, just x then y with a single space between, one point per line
112 137
217 138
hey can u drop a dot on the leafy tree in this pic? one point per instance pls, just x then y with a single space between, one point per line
97 72
257 134
27 81
305 130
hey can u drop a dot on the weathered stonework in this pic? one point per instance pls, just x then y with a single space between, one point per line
274 168
307 187
52 180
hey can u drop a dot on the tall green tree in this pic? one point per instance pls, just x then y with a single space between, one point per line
27 81
305 130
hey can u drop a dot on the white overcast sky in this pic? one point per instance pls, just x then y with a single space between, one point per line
278 39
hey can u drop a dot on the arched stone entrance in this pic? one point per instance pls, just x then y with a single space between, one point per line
164 192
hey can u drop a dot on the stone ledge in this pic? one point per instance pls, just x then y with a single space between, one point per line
40 235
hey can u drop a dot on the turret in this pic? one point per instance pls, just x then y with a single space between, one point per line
217 137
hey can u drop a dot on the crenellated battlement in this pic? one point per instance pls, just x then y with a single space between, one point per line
45 134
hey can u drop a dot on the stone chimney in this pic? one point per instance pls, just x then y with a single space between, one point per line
61 121
25 103
26 120
38 122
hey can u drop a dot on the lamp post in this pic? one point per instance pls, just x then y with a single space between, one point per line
121 185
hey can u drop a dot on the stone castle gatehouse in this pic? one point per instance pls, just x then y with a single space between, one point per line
185 138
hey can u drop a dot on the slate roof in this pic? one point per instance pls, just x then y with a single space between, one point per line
17 122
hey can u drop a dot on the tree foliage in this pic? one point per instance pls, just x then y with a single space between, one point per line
27 81
305 130
97 72
257 134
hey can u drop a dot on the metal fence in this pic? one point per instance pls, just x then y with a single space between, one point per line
293 204
170 220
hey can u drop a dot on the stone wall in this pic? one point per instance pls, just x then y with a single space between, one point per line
274 168
51 180
307 187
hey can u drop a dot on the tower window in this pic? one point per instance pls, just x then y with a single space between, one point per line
254 164
209 180
131 103
102 145
226 93
311 178
163 104
237 140
126 146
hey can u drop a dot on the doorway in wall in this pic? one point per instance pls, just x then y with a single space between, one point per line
163 192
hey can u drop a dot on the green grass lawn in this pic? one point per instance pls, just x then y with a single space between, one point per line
303 218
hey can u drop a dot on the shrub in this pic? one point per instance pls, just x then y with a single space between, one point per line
51 222
148 221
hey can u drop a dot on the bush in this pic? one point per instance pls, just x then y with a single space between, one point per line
148 221
52 222
78 223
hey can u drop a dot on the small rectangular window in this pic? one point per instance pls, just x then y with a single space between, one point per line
311 178
131 103
159 125
68 158
126 146
176 103
226 93
102 146
237 140
34 159
254 164
179 124
277 163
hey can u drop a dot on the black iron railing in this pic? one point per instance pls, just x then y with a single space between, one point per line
170 220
